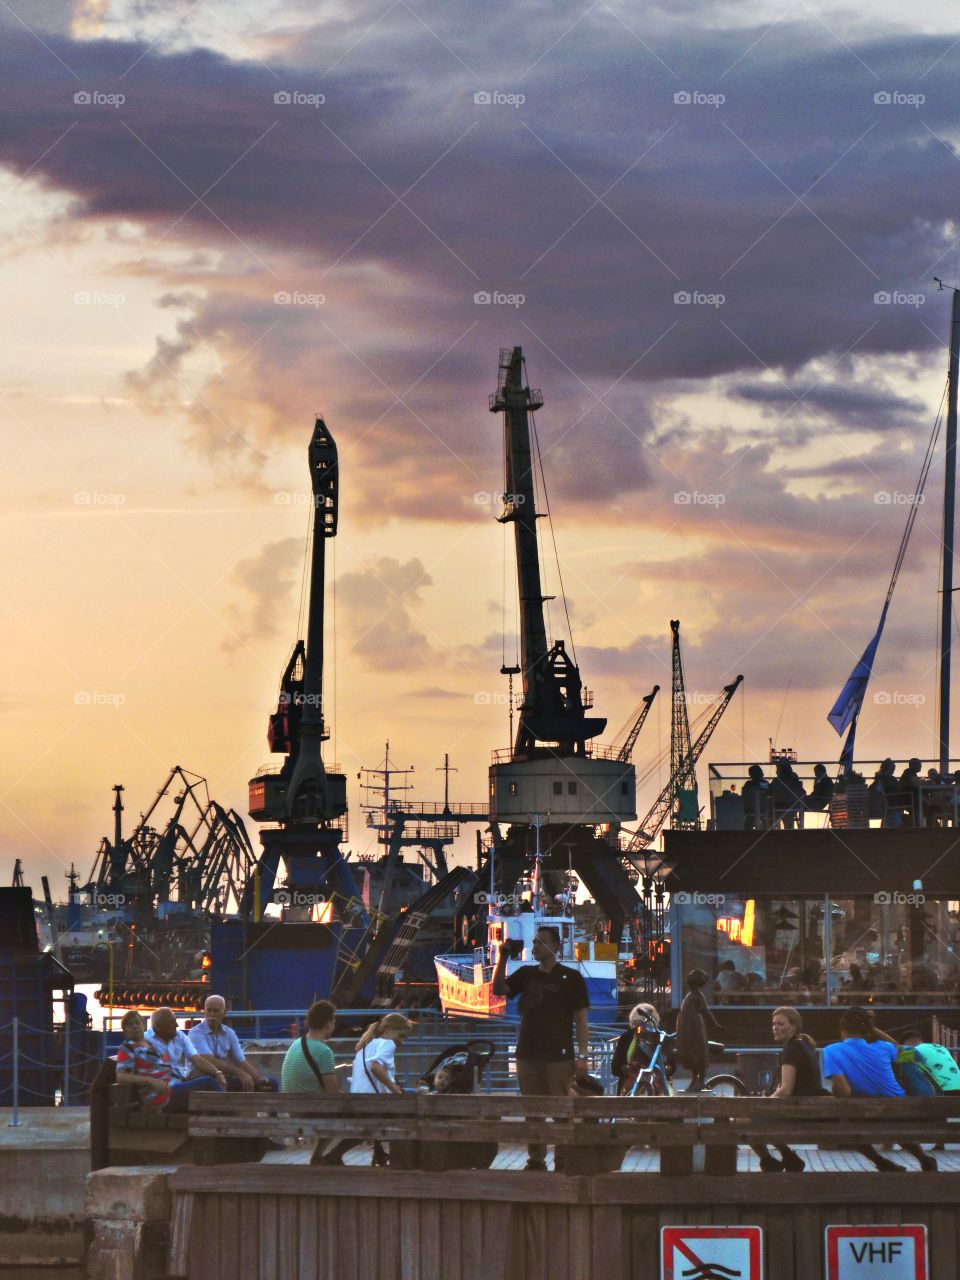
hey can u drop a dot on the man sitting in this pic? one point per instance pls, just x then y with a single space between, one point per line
144 1060
927 1069
219 1043
190 1070
860 1065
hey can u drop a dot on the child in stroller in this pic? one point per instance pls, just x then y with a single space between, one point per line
457 1070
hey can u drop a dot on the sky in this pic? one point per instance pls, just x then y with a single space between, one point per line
713 228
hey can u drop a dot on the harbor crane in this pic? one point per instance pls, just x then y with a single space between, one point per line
626 739
668 802
552 782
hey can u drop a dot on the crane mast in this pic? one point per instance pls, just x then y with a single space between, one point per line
666 802
553 709
303 792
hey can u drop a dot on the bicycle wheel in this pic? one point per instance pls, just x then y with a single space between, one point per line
727 1086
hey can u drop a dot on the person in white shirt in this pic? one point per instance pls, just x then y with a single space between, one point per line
374 1063
191 1070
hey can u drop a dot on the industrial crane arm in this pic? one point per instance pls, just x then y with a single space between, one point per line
627 737
650 827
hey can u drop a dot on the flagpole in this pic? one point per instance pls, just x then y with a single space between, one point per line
949 502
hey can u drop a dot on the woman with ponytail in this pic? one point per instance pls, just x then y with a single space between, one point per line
374 1064
374 1071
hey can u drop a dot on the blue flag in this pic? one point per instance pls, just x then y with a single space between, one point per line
847 707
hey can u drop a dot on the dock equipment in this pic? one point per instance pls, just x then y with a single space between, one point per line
553 777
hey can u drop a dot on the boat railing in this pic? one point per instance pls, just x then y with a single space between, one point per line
855 802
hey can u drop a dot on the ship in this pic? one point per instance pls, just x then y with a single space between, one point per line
465 978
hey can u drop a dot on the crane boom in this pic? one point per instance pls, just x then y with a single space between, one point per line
650 827
631 730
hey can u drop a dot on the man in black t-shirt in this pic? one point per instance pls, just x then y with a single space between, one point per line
553 1001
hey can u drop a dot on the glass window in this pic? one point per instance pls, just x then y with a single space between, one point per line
514 788
885 948
571 788
753 950
558 788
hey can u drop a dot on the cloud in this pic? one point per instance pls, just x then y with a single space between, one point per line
265 583
377 604
796 200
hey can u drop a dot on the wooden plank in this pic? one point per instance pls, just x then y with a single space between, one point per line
606 1253
942 1242
374 1252
615 1188
229 1234
644 1243
348 1240
410 1268
389 1228
431 1246
198 1261
451 1256
808 1228
328 1239
287 1263
180 1229
308 1263
472 1247
267 1206
249 1240
779 1226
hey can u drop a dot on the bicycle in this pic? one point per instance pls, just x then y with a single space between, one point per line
654 1080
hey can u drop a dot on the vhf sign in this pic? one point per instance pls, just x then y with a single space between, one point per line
877 1253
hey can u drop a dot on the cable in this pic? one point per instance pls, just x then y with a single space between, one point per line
553 536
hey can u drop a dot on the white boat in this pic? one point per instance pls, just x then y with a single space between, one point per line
465 979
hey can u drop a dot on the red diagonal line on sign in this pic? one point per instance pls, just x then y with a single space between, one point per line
688 1253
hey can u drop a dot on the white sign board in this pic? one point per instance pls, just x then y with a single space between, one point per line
877 1253
711 1253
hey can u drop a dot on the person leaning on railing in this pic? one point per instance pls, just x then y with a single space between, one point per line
860 1065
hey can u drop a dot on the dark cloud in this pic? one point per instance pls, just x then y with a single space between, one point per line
400 198
851 406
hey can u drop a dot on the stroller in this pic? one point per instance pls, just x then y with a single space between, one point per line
457 1070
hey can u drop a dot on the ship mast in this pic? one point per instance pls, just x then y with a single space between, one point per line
949 502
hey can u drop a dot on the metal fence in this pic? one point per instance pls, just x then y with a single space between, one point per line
44 1067
433 1032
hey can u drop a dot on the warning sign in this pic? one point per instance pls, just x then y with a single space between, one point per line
877 1253
711 1253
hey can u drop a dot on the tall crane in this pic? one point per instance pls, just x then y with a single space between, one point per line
304 797
553 779
666 802
626 739
683 772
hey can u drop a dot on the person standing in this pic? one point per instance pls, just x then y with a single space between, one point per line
694 1022
553 1001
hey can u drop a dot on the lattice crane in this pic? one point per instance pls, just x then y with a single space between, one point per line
665 803
626 739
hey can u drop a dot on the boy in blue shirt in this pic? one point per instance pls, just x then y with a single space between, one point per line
860 1065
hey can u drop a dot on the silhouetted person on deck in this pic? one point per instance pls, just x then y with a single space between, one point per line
822 792
756 794
910 783
788 793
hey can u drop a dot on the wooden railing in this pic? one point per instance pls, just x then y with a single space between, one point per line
594 1134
